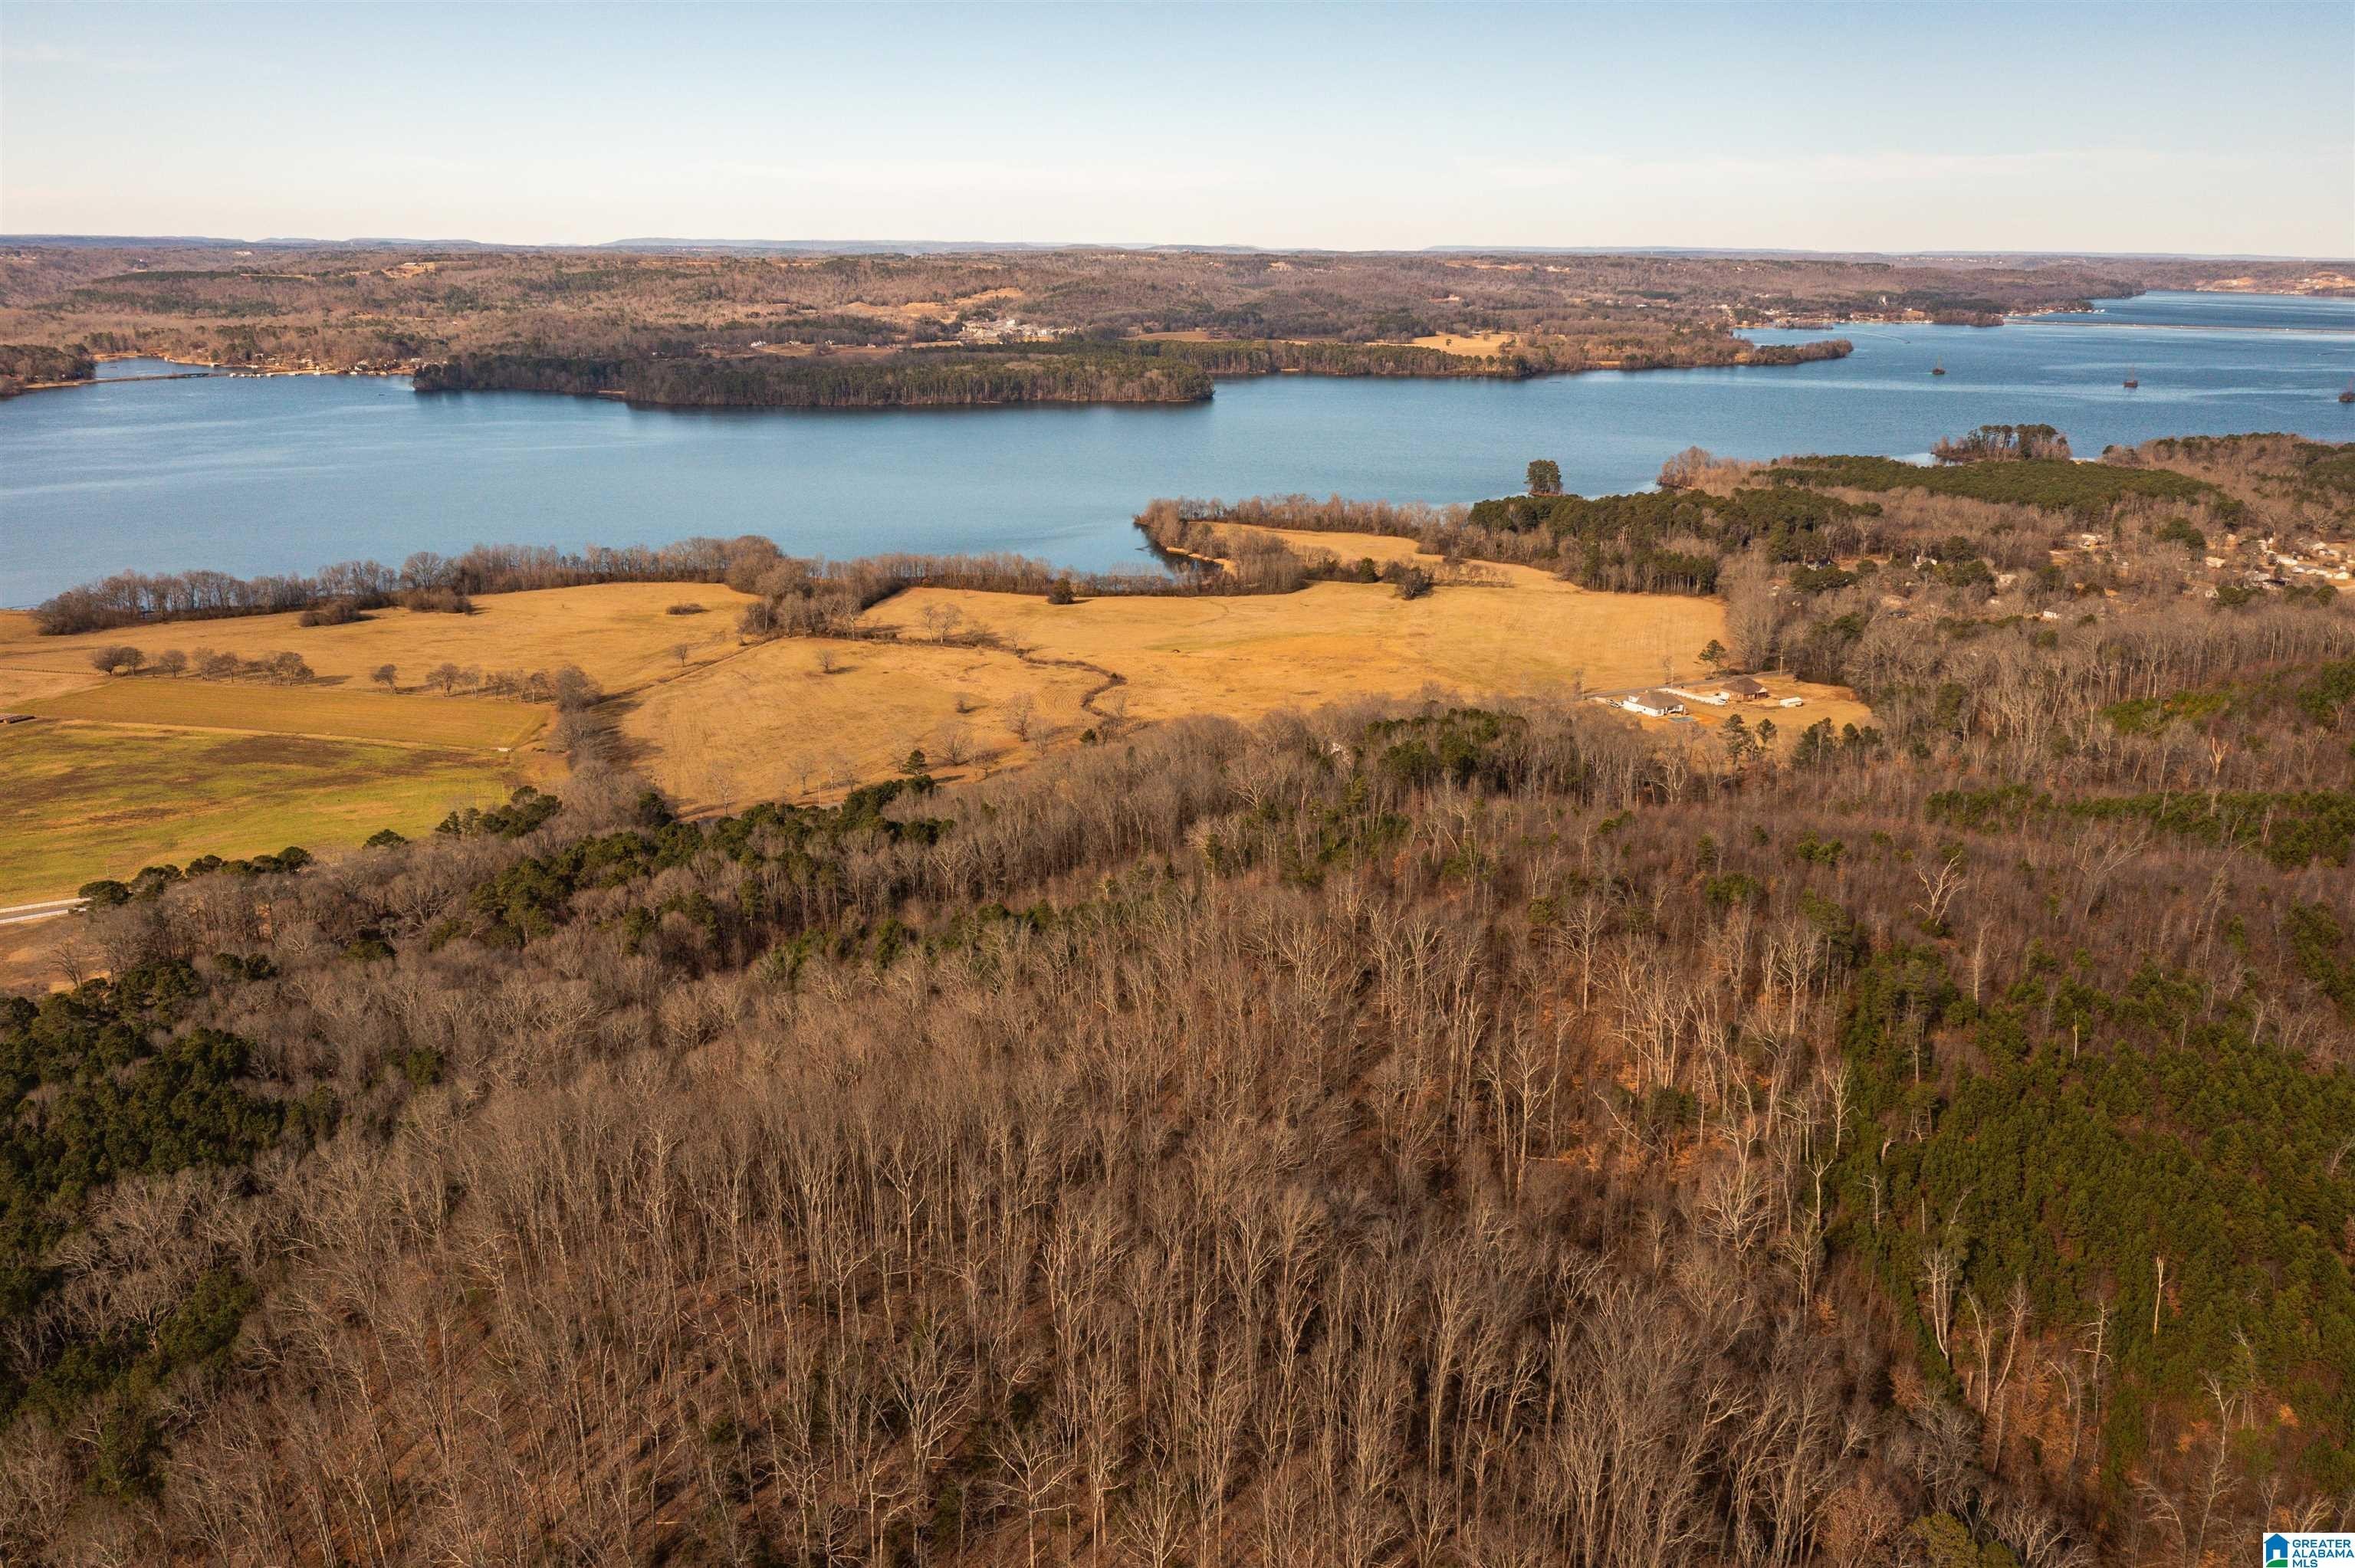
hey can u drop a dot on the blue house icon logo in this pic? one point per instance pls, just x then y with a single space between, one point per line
2276 1550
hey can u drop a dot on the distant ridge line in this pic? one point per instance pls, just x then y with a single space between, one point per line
655 243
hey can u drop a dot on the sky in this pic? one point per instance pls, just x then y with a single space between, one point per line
1893 126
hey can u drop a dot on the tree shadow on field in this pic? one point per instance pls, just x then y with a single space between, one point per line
604 734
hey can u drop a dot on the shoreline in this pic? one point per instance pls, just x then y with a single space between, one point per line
2091 312
199 370
227 368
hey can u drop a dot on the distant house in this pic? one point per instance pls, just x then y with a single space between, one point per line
1735 689
1653 704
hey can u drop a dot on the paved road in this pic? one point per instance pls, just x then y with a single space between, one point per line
23 914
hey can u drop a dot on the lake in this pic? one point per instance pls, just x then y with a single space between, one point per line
286 474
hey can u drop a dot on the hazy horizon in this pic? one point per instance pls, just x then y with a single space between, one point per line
851 243
1890 130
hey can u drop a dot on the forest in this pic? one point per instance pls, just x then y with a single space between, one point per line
1448 1132
23 363
900 381
1083 370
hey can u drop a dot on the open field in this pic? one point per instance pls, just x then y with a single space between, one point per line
1379 547
1476 346
1818 702
150 768
770 723
1470 345
618 632
146 771
933 309
19 686
89 800
1524 630
1330 641
474 723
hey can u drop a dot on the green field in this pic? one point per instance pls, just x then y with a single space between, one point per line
478 722
83 802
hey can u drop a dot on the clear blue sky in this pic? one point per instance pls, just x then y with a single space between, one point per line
1887 126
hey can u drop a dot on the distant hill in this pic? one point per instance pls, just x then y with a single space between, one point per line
660 243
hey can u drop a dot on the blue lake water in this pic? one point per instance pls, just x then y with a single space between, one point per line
287 474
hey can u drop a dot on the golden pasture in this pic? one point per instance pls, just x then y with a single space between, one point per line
770 724
476 723
370 759
1330 641
1478 345
618 632
1377 548
327 763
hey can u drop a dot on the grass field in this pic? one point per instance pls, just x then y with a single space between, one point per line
618 632
1365 546
89 800
1527 632
19 686
770 723
1478 346
144 771
475 723
1336 640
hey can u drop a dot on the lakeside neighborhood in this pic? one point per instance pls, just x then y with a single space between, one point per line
2093 566
2267 562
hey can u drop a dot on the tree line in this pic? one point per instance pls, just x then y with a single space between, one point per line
30 363
425 580
283 669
